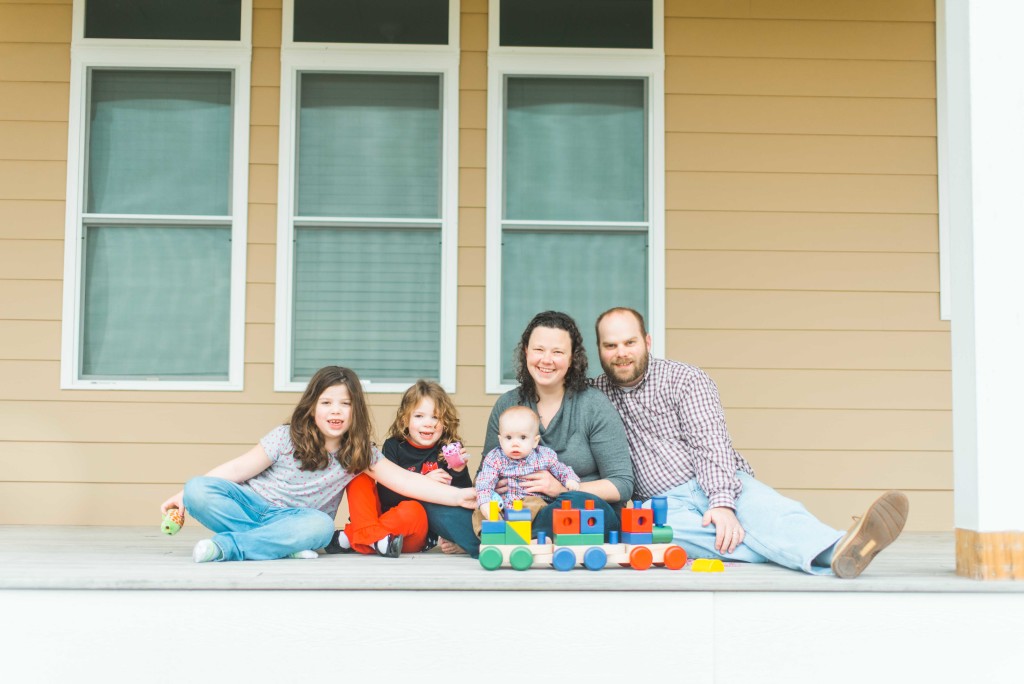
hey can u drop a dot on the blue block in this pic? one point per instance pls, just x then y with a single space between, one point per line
493 527
591 522
637 538
613 537
513 515
659 505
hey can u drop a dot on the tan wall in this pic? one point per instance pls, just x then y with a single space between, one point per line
801 263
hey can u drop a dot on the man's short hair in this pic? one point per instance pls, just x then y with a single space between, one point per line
621 309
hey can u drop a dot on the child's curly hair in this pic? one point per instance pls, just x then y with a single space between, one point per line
444 407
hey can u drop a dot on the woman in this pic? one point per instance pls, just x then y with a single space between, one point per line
577 421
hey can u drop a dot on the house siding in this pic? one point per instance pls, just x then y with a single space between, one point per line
801 263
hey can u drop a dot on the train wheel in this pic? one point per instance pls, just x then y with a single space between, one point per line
675 557
640 558
563 559
595 558
490 558
520 558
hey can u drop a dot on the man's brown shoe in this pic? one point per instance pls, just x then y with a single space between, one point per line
879 527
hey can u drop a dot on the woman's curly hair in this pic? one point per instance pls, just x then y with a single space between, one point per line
575 376
355 452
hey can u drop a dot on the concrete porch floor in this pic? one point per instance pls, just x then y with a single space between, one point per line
129 605
143 558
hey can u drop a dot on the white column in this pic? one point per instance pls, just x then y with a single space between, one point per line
981 143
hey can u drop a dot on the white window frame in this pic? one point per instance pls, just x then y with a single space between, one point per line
368 58
506 62
89 53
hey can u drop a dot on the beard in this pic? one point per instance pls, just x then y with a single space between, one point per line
620 375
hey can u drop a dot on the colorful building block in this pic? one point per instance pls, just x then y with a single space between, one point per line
579 539
518 515
591 521
662 534
637 520
659 508
493 510
707 565
490 539
493 527
566 520
517 532
637 538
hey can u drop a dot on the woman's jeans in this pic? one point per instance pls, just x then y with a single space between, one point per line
247 527
777 529
456 524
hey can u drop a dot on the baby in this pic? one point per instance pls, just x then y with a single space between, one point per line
519 453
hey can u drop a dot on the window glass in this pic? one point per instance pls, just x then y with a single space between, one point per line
367 298
407 22
577 23
156 302
159 142
581 273
369 146
164 19
575 149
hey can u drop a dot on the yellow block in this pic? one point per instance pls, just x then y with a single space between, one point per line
707 565
517 505
521 528
493 512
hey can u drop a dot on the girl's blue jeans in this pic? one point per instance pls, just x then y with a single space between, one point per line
777 529
247 527
456 524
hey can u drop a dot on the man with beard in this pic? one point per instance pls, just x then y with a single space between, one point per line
681 449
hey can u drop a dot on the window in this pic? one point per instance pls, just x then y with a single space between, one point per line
155 255
368 194
575 176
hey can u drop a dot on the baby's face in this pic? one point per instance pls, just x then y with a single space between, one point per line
517 434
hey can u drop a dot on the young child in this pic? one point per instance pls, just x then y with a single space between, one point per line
519 453
426 422
279 498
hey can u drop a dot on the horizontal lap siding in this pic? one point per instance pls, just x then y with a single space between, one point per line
108 457
802 243
801 262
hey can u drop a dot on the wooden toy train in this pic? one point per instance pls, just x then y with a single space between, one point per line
579 539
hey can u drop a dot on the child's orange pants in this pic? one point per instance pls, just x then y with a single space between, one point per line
367 525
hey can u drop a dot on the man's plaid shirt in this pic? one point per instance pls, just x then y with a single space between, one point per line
676 431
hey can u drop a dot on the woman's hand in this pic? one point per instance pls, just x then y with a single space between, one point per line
501 486
176 501
542 482
439 475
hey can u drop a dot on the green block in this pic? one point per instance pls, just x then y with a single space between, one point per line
512 537
579 539
662 534
498 539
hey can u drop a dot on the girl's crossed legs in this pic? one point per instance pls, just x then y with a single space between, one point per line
247 527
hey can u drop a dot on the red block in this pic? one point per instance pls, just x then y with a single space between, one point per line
637 520
565 521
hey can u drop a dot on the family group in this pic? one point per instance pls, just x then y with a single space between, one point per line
645 427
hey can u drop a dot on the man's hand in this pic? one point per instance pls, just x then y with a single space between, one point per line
728 532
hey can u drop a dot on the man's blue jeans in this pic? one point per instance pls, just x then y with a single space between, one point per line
456 524
247 527
778 530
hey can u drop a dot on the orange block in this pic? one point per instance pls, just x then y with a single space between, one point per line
565 521
637 520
